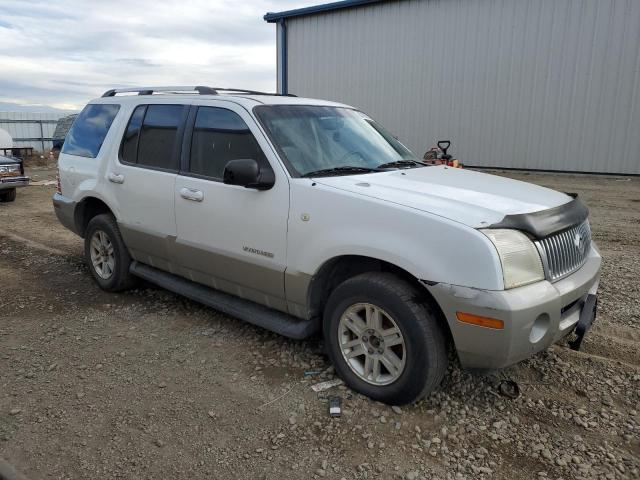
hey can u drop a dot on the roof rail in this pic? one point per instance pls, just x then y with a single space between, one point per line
242 90
184 89
152 90
251 92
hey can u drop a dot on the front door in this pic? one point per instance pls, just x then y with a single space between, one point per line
230 237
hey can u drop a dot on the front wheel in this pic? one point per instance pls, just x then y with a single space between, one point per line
8 195
383 342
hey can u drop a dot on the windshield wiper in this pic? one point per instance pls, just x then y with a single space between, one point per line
402 163
339 171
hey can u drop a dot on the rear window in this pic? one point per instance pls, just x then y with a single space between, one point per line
89 130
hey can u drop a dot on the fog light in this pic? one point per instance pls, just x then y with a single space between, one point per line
540 328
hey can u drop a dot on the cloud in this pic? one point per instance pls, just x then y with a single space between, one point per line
64 53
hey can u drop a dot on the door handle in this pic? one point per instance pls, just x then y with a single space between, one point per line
115 178
191 194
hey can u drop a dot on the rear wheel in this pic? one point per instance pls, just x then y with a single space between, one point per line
106 254
8 195
382 340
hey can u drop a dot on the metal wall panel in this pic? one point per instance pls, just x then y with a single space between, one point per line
35 127
536 84
36 145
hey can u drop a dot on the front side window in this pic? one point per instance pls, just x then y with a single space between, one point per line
220 135
315 138
151 137
89 130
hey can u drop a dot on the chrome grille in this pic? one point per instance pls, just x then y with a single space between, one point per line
565 252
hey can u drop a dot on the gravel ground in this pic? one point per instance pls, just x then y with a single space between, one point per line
145 384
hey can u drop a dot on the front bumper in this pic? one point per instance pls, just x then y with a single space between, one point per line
7 183
535 316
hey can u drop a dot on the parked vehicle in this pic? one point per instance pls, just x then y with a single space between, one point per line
11 177
60 133
303 215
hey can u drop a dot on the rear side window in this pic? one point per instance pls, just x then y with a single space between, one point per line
151 137
220 135
89 130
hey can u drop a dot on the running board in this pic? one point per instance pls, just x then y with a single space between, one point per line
254 313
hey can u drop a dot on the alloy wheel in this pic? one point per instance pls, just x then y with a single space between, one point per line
372 344
102 254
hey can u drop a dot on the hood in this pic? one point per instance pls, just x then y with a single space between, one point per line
472 198
6 160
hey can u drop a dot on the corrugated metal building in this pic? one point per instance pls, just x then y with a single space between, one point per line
30 129
532 84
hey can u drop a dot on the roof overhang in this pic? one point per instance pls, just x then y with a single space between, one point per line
273 17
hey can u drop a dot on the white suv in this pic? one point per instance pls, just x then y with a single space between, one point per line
303 215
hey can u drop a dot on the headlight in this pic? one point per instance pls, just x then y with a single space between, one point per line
520 259
8 170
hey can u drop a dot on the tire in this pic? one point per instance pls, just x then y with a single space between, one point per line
8 196
114 276
422 351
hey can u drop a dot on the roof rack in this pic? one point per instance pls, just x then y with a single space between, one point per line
184 89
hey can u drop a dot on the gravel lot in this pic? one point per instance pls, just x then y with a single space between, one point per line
149 385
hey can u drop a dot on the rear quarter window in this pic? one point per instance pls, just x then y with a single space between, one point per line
89 130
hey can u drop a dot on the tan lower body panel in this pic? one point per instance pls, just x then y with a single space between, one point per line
257 283
296 285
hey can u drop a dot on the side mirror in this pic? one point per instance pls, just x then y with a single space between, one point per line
247 173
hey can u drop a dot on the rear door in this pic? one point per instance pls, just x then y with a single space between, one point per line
230 237
142 181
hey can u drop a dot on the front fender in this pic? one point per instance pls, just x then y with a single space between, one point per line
325 223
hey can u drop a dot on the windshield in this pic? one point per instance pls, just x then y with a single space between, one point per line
313 139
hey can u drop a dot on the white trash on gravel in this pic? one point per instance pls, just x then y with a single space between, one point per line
319 387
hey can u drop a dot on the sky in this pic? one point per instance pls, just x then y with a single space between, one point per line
59 54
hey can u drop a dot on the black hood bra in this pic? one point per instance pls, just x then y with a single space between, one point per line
543 223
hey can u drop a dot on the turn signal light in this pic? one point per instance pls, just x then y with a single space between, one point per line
486 322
